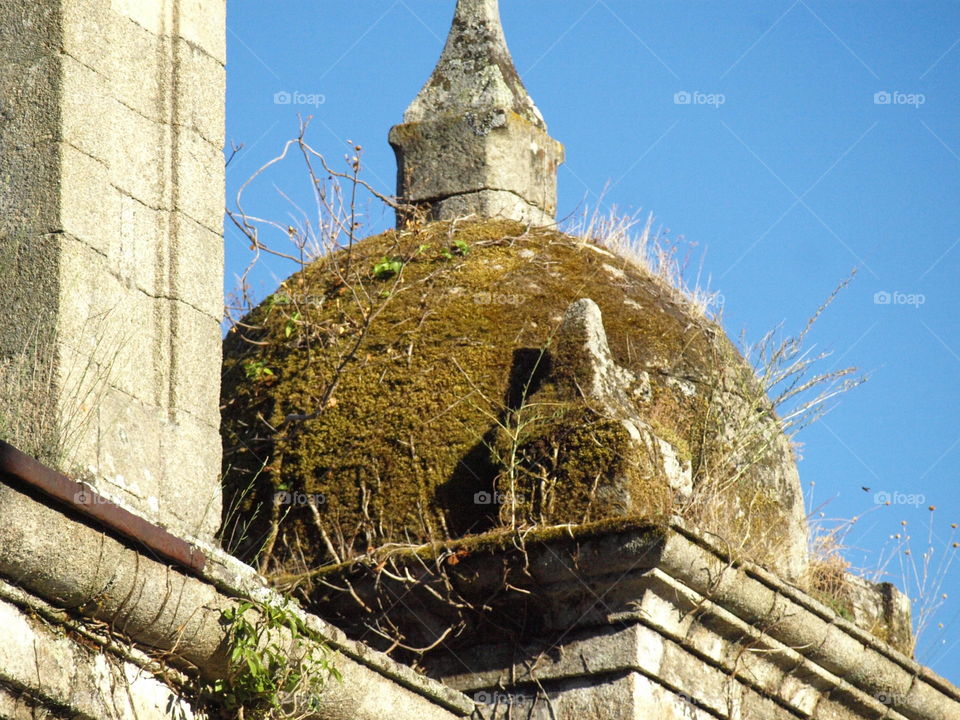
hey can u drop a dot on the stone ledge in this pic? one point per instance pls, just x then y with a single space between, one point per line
40 550
686 594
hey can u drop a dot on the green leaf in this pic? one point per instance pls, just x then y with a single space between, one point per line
387 268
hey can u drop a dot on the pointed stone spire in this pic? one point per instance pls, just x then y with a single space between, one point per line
473 141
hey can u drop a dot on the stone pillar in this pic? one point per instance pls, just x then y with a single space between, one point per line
111 250
473 142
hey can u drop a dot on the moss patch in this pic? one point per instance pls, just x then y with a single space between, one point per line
411 440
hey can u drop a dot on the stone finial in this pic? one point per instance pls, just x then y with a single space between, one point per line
473 141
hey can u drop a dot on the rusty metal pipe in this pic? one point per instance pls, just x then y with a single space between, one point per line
82 499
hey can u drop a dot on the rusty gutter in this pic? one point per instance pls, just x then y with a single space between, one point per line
84 500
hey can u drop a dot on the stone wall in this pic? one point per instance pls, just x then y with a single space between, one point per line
46 667
111 253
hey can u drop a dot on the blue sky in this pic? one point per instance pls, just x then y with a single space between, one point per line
817 137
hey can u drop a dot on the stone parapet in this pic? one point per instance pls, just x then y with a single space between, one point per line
61 571
638 623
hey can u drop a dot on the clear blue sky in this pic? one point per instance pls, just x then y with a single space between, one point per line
802 173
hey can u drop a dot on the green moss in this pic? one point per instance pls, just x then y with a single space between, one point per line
459 353
561 462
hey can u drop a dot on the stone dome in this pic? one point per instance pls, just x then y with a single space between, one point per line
452 379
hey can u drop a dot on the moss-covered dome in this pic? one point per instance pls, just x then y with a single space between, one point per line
430 383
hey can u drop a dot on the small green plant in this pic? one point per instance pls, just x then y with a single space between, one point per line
458 247
257 370
387 268
292 322
277 665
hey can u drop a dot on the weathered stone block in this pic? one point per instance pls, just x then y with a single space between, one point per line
491 203
197 256
663 613
86 36
799 694
143 246
141 77
583 653
128 459
200 180
112 323
89 205
155 16
190 456
86 93
195 387
140 157
29 127
28 108
705 641
201 86
29 30
461 156
710 686
753 705
612 698
654 701
94 295
882 610
204 23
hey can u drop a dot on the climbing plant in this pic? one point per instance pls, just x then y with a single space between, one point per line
278 667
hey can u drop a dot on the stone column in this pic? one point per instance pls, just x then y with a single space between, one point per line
111 250
473 142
